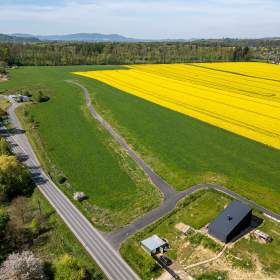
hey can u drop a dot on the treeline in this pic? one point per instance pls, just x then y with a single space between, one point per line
229 42
117 53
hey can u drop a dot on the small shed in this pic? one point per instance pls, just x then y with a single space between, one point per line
154 245
231 222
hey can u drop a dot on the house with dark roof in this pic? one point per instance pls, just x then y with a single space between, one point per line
231 222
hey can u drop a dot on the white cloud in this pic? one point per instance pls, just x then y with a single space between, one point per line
145 19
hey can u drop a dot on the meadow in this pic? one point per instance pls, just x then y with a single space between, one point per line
70 143
186 151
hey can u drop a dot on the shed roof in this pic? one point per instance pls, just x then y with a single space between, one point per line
229 219
152 243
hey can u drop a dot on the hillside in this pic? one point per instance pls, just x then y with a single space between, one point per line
81 37
14 39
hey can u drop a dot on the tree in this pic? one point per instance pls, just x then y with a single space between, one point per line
4 147
40 97
19 208
68 268
35 226
2 114
3 71
14 178
4 218
22 266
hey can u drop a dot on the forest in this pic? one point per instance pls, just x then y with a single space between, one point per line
82 53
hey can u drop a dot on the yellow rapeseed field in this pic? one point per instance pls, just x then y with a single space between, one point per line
243 98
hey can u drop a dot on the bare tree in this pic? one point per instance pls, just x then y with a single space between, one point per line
20 210
22 266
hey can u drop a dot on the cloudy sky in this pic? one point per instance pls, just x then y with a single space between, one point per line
150 19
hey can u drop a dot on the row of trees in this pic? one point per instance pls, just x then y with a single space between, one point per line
54 53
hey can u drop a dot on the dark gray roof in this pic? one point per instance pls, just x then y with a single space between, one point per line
229 219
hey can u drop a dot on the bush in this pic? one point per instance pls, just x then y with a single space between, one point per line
4 147
40 97
3 71
27 93
22 266
2 114
61 179
14 178
4 218
217 275
35 226
68 268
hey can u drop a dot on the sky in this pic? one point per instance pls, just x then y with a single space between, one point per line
144 19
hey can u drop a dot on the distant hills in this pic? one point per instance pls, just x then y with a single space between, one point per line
15 39
79 37
98 37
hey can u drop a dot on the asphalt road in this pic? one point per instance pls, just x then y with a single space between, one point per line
108 259
171 196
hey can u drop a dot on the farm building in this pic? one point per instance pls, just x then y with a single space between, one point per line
231 222
154 245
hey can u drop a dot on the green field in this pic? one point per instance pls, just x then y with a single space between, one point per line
186 151
195 211
71 143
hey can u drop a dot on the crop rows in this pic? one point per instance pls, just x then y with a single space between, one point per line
243 98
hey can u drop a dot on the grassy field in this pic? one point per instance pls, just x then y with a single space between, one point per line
186 151
194 247
71 143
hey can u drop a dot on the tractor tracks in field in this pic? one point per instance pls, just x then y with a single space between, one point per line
170 195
